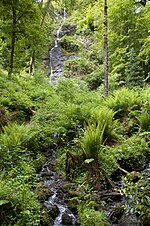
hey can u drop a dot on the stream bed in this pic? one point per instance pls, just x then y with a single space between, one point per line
59 211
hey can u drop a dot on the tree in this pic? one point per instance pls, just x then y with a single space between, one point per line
19 19
45 10
128 30
105 50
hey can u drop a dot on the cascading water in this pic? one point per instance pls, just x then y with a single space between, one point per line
53 50
62 216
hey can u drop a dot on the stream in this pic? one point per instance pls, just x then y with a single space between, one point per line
63 216
55 204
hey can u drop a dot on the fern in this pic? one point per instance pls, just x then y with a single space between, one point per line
93 140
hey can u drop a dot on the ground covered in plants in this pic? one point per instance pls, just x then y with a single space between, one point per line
99 143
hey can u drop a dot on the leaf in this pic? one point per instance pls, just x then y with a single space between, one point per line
88 161
3 202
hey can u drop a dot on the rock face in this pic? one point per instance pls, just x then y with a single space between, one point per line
56 54
57 59
68 29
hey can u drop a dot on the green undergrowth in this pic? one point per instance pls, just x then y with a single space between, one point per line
89 216
88 130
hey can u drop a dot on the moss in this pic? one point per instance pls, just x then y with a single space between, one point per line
91 217
145 220
134 176
45 219
42 191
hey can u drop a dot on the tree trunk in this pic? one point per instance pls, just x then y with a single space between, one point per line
32 63
13 39
32 59
45 12
105 50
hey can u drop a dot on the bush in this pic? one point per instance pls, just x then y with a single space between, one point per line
137 195
133 153
18 204
99 131
88 216
123 101
18 142
78 67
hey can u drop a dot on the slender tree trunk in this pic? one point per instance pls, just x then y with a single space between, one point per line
45 12
32 59
105 50
32 63
13 39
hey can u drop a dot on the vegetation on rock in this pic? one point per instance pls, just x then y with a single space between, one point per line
97 140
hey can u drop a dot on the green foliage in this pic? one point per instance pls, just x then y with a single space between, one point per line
144 119
88 216
134 74
137 194
98 132
109 160
70 43
15 99
19 142
94 79
133 153
21 33
128 40
78 67
93 140
105 117
123 101
18 203
69 89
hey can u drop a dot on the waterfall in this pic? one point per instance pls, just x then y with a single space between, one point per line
55 46
64 17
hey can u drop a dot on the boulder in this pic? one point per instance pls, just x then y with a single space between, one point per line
66 219
128 220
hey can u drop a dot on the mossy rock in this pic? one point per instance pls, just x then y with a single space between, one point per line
128 220
53 211
45 219
66 219
42 191
134 176
145 221
117 213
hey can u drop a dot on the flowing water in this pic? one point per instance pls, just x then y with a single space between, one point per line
63 216
55 46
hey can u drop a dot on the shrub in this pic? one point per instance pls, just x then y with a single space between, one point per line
133 153
18 142
88 216
18 204
137 195
93 140
144 120
123 101
94 79
78 67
